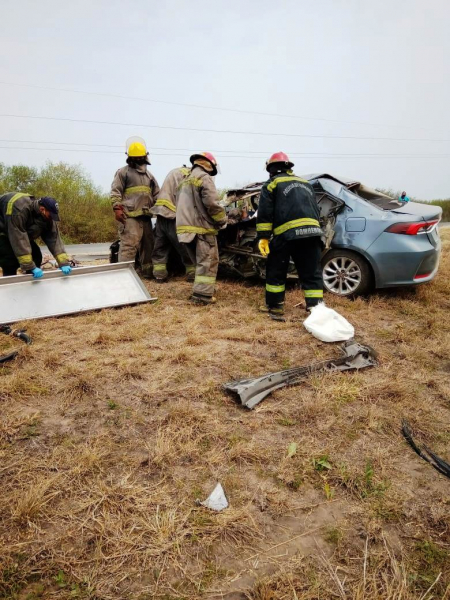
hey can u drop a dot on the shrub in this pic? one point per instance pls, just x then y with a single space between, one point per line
445 205
86 214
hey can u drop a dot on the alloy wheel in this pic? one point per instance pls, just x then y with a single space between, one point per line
342 276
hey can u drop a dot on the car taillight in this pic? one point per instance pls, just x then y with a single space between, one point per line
413 228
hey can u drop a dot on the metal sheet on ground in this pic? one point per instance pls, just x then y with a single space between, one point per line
86 288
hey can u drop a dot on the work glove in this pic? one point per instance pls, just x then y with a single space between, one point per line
263 246
66 270
119 213
37 273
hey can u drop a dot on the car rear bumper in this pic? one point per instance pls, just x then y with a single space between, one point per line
399 260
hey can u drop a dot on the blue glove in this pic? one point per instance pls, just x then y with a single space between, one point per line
66 270
37 273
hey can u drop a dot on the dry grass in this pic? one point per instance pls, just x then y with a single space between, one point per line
113 424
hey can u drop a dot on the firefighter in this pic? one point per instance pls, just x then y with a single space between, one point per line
165 232
199 218
23 219
288 215
133 193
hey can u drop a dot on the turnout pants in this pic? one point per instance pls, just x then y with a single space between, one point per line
8 261
136 237
306 255
204 253
166 239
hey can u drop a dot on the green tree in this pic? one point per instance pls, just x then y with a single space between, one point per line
86 214
18 178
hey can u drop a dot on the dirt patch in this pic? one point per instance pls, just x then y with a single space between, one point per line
114 423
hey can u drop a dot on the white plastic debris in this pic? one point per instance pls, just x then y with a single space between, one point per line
216 500
328 325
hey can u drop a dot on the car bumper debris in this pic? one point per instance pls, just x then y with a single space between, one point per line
252 391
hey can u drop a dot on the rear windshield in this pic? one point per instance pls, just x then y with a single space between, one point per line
374 196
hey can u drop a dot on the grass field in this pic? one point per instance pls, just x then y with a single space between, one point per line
114 423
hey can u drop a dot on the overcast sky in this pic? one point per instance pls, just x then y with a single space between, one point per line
373 69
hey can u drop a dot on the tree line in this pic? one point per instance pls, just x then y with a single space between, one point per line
86 214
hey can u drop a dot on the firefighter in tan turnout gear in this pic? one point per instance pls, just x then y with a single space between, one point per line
133 193
199 218
165 232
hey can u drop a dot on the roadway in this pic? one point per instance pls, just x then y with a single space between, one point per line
84 251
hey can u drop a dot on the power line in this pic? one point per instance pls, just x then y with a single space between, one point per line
316 155
293 153
61 149
201 106
260 133
71 143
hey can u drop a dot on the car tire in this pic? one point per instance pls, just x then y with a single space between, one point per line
346 273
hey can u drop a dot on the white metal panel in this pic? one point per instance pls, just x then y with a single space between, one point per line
86 288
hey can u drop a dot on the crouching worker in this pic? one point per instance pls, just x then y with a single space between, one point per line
199 218
288 213
166 239
23 219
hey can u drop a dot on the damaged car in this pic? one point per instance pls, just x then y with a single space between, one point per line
370 239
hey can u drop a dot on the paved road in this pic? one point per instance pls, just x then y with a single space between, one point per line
84 251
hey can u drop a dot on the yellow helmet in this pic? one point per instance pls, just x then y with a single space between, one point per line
136 149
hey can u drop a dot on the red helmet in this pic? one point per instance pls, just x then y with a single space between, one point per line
279 157
209 157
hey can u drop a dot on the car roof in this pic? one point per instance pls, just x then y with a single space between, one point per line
347 181
247 189
256 187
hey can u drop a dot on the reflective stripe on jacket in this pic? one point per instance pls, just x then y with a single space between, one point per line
198 208
136 189
166 203
21 221
288 207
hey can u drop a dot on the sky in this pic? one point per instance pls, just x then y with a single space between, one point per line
308 77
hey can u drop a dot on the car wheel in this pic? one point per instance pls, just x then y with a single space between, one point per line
346 273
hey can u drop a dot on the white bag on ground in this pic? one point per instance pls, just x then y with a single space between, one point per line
328 325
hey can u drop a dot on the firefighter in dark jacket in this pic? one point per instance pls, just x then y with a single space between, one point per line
288 215
23 219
